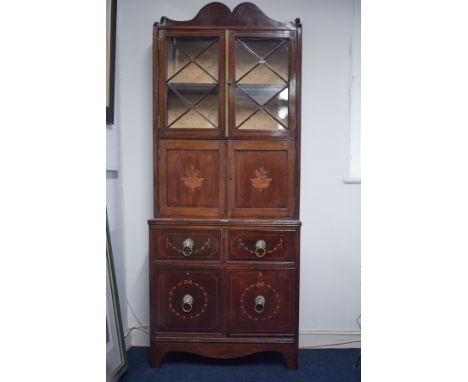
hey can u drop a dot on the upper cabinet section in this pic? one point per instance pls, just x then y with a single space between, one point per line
226 74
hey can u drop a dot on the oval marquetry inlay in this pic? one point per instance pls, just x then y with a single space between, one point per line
181 313
247 298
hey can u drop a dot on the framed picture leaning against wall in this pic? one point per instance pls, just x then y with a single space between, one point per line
111 22
116 356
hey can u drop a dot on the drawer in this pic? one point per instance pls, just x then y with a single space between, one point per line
262 245
261 302
188 300
179 244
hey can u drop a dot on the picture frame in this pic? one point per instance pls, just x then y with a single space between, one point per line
111 23
116 356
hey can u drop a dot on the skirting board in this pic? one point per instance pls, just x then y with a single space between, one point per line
308 339
329 339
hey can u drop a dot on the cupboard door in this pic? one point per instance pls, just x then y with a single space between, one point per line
261 179
261 301
262 84
192 89
191 178
189 300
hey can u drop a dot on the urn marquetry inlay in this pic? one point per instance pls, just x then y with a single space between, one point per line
261 179
192 178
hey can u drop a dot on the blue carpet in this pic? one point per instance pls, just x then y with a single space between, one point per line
318 365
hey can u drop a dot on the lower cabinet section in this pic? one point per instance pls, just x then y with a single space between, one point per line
261 302
224 290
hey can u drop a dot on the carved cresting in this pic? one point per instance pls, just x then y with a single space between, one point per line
218 14
261 179
192 178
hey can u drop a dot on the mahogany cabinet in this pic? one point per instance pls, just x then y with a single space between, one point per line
224 242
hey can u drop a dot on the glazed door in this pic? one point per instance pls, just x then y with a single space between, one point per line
191 178
192 84
261 179
262 84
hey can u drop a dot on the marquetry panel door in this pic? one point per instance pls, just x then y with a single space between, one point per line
261 179
192 178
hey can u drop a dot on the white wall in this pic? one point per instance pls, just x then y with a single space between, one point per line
330 209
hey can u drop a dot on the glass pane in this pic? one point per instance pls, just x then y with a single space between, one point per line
279 61
209 107
192 106
208 60
262 74
192 74
245 60
192 46
245 107
262 47
192 120
192 60
261 121
278 107
261 94
176 60
192 77
175 106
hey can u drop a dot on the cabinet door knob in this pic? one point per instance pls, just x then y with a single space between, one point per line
187 302
259 304
260 248
187 247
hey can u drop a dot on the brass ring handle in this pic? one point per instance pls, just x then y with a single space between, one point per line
260 248
187 302
259 304
187 247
